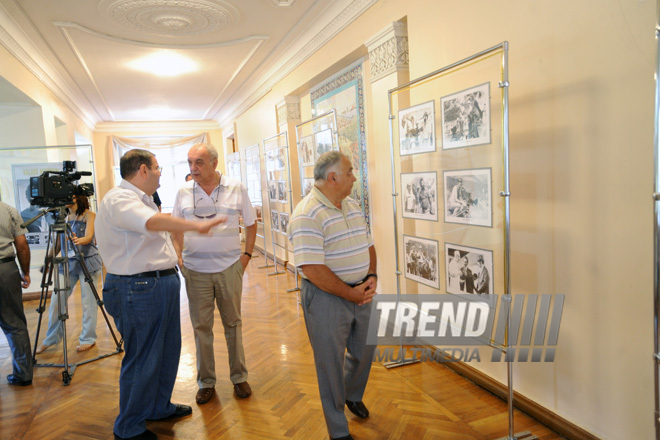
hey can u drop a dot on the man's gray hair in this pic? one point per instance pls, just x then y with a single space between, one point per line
213 153
325 163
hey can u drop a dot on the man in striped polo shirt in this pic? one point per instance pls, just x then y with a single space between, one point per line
333 248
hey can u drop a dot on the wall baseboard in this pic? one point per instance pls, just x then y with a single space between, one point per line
541 414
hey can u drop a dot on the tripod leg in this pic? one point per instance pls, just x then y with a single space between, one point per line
46 282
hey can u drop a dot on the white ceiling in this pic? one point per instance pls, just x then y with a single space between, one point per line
81 49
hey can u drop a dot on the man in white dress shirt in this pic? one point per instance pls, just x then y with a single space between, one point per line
213 266
141 293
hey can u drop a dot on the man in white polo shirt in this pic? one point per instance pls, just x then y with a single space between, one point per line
141 292
333 247
213 266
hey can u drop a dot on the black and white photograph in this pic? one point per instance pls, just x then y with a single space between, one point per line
307 185
275 220
284 222
272 190
468 197
307 155
323 142
466 118
234 165
421 260
420 195
282 196
417 129
468 269
275 159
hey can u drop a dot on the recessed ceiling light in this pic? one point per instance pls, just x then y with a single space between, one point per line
164 63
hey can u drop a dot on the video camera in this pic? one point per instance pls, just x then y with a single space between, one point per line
56 188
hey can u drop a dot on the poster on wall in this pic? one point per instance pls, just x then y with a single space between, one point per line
284 222
37 235
421 260
275 220
307 155
466 118
468 270
323 142
308 183
468 197
272 190
420 195
417 129
282 191
344 93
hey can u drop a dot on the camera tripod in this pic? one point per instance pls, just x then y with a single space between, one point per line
59 234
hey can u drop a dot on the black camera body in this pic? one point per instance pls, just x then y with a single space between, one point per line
57 188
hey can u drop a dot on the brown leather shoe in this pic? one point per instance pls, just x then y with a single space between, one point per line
204 395
242 389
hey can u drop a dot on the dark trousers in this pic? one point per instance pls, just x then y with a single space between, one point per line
13 322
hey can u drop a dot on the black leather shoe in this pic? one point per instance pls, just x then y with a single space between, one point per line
180 411
358 409
146 435
13 380
348 437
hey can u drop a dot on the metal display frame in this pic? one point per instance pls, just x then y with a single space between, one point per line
505 195
656 232
281 141
310 127
261 205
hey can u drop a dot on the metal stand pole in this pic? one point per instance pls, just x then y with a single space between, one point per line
656 232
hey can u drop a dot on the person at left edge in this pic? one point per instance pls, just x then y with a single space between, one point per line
141 293
12 316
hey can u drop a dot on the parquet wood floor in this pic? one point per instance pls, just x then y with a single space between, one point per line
421 401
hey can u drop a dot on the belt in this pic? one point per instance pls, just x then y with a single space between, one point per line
152 273
7 260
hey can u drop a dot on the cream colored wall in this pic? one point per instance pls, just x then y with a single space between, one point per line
51 106
581 136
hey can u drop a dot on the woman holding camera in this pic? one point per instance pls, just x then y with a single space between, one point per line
81 220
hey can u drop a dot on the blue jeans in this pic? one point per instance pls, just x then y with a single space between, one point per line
89 312
146 313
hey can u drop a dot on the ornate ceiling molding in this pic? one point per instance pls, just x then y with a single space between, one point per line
388 51
31 59
282 3
171 18
157 126
67 24
339 23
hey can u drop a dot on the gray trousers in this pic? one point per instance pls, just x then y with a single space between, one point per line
337 330
13 322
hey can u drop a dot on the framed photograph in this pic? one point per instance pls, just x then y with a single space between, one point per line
466 118
307 155
420 195
417 129
307 185
274 220
284 222
281 191
421 260
272 190
468 270
323 142
275 159
234 165
467 197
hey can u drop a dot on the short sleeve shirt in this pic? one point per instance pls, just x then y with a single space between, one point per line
323 234
10 221
125 244
218 250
